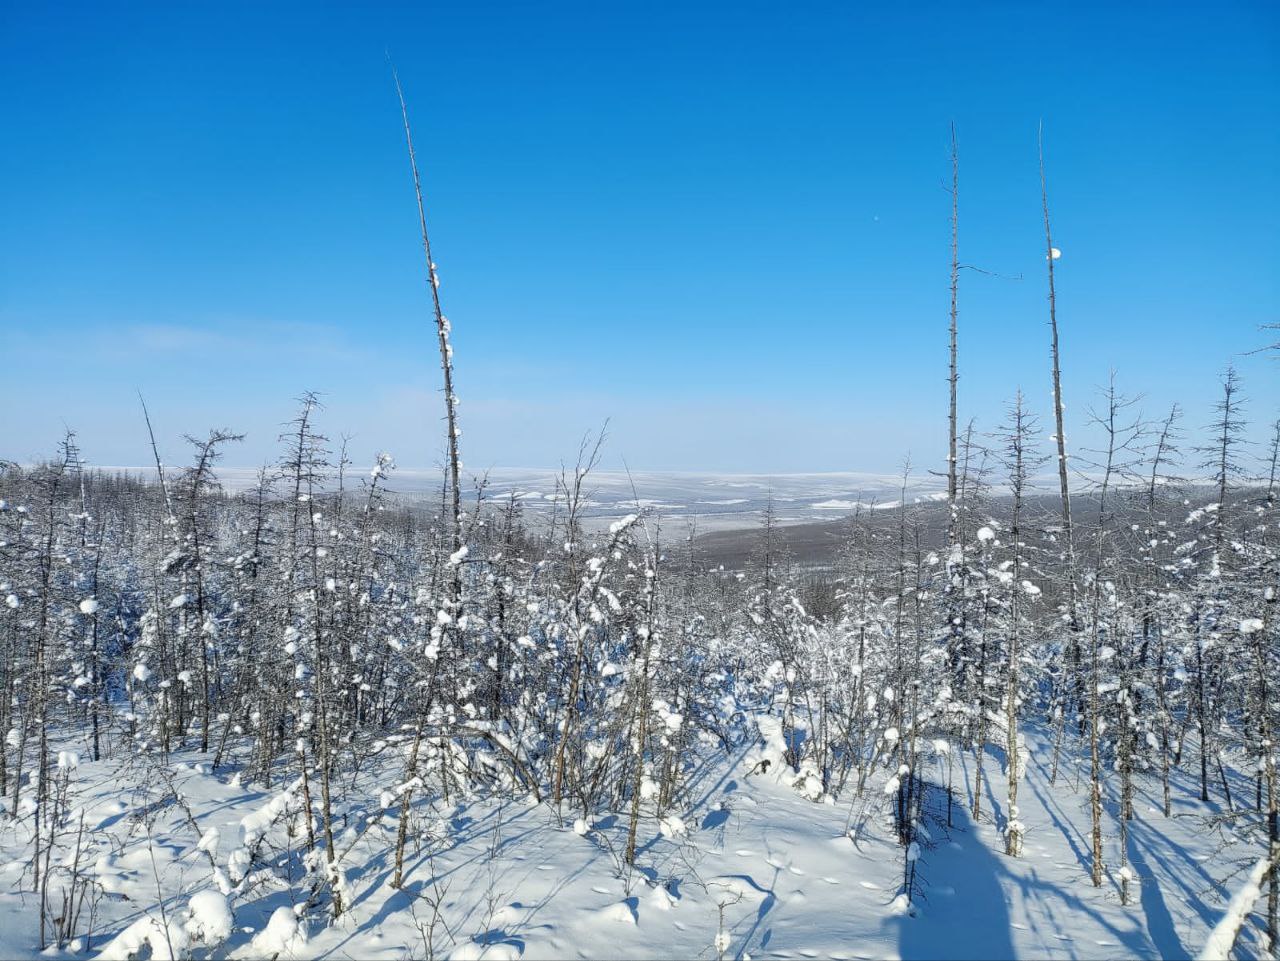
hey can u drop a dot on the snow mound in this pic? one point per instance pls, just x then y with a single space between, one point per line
498 951
282 937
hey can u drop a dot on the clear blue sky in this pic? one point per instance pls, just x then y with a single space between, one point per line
723 225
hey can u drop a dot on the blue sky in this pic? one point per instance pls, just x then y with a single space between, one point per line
721 225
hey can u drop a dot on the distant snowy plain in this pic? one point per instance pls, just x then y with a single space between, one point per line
714 501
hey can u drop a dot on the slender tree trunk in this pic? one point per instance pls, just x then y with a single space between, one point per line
446 350
1066 695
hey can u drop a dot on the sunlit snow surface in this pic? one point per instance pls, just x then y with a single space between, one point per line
514 880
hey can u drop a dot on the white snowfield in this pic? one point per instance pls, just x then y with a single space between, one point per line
191 863
717 501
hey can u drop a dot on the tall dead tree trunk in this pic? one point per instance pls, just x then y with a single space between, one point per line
1066 696
446 350
955 609
954 375
453 599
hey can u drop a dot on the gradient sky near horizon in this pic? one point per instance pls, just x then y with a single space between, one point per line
722 225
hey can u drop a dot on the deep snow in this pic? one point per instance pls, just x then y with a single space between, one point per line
790 877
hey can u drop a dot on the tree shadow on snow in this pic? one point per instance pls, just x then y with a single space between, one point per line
963 909
962 912
755 925
1160 926
715 819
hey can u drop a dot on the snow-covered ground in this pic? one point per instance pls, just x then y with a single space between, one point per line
193 863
